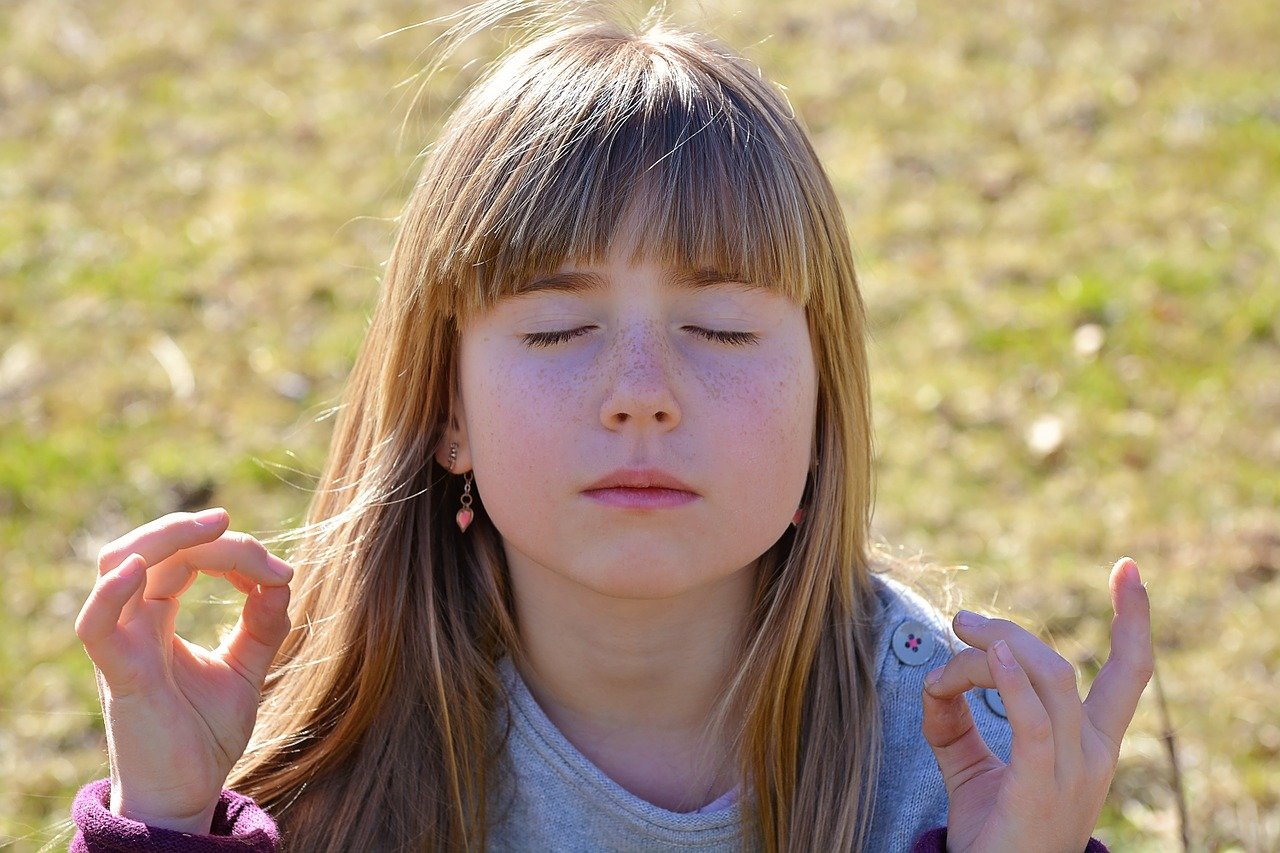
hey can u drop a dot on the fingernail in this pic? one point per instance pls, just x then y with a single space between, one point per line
210 517
132 565
969 618
1004 655
934 675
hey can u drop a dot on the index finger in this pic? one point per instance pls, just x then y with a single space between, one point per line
163 537
239 557
1113 699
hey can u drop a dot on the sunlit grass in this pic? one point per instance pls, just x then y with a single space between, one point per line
1066 218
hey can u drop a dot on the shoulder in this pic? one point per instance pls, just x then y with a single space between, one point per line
914 637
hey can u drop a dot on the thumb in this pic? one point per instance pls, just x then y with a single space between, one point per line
259 633
957 745
97 626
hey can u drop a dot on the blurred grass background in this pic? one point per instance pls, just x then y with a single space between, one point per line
1067 216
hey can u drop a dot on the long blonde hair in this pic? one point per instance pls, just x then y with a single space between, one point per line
376 729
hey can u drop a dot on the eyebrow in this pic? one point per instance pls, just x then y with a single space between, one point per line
584 282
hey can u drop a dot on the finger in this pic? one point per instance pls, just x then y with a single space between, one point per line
966 670
156 540
237 556
100 616
1032 756
1051 675
1113 699
957 744
256 639
164 536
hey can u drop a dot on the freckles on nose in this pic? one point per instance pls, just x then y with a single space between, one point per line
639 360
646 355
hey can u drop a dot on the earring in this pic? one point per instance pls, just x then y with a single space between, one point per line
465 514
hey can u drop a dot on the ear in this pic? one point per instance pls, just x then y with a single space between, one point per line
455 433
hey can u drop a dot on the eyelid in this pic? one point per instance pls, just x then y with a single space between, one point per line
547 339
730 338
724 337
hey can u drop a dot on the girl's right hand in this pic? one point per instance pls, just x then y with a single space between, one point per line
178 716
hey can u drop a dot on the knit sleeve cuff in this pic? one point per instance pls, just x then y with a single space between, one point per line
239 824
935 841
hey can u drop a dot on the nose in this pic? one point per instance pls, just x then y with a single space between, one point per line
640 390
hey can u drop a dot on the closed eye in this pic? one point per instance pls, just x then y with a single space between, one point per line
546 339
735 338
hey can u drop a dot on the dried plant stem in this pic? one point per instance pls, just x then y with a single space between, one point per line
1171 746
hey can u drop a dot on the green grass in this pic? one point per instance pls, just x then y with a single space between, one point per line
220 181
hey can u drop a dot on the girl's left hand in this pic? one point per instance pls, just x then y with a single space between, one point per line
1048 797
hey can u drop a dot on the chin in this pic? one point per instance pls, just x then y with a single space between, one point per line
648 587
646 577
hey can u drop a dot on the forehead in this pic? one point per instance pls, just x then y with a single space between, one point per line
632 245
580 281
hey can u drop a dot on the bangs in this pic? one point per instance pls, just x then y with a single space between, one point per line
574 135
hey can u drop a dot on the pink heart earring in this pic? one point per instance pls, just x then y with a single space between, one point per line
465 514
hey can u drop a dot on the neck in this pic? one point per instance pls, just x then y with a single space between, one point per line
632 683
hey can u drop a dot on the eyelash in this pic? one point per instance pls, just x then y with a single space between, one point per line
546 339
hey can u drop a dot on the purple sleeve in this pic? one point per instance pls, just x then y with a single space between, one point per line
238 824
935 841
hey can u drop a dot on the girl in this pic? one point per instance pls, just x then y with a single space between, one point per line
589 565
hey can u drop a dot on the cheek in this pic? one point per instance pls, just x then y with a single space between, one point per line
517 414
764 422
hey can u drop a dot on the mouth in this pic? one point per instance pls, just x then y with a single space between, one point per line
641 478
631 497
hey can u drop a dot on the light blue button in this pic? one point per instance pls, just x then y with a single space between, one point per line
913 643
994 702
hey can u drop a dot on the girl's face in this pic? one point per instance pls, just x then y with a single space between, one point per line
563 387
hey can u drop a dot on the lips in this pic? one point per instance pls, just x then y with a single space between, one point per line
633 479
641 489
